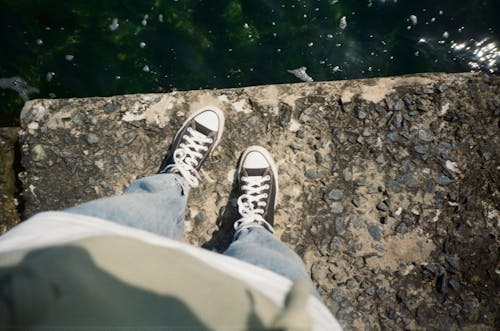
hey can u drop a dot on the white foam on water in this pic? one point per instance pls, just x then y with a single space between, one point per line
114 24
144 21
50 75
343 22
301 74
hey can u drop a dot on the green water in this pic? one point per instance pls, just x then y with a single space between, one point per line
73 48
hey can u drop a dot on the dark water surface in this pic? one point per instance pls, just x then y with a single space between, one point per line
54 48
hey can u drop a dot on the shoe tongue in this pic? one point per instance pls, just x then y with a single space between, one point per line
250 172
202 129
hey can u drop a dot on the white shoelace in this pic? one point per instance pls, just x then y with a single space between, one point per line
251 204
188 155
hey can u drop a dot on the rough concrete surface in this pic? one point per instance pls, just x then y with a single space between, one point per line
9 215
389 187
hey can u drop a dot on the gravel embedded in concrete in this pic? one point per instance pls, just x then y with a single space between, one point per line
426 145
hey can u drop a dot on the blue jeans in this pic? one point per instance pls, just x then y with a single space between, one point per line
156 204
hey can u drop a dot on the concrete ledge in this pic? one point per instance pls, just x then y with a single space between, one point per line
389 187
9 215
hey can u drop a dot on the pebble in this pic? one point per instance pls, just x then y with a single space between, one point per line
421 108
454 284
336 207
200 218
336 295
337 244
398 211
339 225
105 185
420 149
428 89
253 120
397 120
393 136
318 272
355 202
402 228
399 105
372 188
311 174
109 108
129 137
442 87
425 135
356 222
382 206
347 174
336 194
361 115
39 153
361 181
375 232
92 138
380 159
444 181
318 157
442 283
453 262
486 155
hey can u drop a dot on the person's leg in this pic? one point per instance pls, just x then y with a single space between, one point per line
155 204
259 247
254 241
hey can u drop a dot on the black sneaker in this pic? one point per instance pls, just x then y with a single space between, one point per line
258 183
194 141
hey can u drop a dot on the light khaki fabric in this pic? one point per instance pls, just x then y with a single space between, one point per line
111 281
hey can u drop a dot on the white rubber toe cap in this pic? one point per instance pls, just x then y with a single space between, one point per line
209 119
255 160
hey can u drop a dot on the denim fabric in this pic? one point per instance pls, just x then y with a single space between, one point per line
156 204
259 247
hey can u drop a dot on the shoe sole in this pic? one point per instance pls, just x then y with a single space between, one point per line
268 158
216 110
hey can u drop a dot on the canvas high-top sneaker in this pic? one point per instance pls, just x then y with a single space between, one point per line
258 183
192 144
